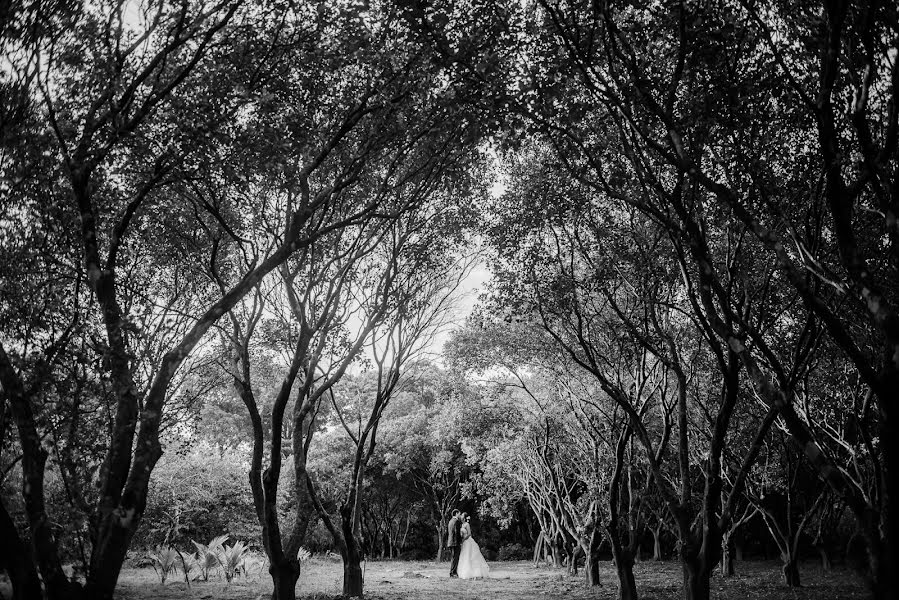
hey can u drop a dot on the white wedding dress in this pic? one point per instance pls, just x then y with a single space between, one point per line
471 562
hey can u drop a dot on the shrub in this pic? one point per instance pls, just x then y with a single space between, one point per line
165 561
207 555
255 563
189 565
514 552
231 559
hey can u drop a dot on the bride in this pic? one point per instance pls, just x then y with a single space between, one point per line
471 562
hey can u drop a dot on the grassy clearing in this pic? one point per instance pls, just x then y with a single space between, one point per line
394 580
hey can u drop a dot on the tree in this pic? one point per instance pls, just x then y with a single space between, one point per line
424 277
187 132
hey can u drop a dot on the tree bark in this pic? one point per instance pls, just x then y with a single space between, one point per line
440 543
727 560
826 564
791 572
538 548
657 544
16 560
34 460
624 568
591 564
556 553
285 575
697 581
352 575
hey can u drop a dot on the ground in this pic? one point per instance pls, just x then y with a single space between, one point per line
394 580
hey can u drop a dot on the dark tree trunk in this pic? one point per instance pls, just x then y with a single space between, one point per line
107 559
627 586
352 575
885 569
284 577
592 568
791 572
16 559
591 562
697 582
34 460
624 568
826 564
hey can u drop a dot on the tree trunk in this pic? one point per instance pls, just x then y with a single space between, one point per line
826 564
627 586
591 560
657 544
557 554
592 568
791 572
16 559
573 553
352 575
108 555
284 577
885 566
624 568
696 581
440 543
538 549
727 560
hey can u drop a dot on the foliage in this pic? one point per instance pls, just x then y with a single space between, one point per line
207 555
165 561
231 558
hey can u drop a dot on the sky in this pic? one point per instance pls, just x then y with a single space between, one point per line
469 289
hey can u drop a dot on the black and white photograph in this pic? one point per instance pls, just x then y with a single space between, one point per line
449 299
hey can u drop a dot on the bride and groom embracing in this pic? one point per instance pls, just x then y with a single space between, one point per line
468 562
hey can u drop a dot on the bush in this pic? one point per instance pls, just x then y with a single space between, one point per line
489 553
197 495
514 552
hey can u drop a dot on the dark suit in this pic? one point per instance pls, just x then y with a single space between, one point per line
454 542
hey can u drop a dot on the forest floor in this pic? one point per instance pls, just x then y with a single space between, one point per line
395 580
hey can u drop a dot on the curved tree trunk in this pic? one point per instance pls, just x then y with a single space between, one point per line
624 568
790 571
16 560
591 565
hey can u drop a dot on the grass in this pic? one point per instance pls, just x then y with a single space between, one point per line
395 580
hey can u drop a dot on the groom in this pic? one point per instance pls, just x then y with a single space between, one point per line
454 541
